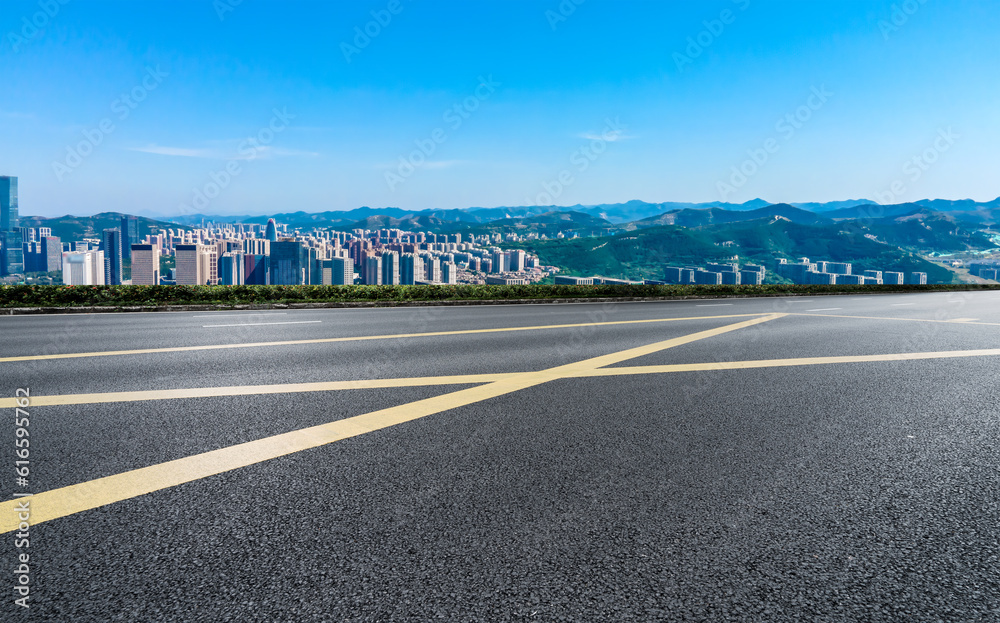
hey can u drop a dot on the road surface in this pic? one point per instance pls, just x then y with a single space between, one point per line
823 459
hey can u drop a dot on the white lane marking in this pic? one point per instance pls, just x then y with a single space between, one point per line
903 304
717 305
965 320
798 302
827 309
257 324
248 314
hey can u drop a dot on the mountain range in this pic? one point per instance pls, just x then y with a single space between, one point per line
635 239
617 214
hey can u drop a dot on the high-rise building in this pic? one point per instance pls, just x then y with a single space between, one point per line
433 270
11 239
371 275
411 269
449 273
343 271
8 204
192 264
918 279
271 233
256 269
751 277
256 246
111 244
51 250
130 235
231 267
707 278
290 263
895 279
390 268
499 262
517 259
145 265
83 269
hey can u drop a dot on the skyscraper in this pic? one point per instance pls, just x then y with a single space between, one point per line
145 265
372 273
231 267
256 269
130 235
449 273
83 269
271 233
11 250
517 259
411 269
289 263
8 204
111 244
343 271
433 265
192 264
390 268
51 260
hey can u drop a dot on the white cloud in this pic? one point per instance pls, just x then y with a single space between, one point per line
610 137
226 153
176 151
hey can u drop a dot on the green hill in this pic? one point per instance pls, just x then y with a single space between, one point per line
75 228
644 253
549 224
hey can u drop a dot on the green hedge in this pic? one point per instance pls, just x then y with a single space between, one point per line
117 296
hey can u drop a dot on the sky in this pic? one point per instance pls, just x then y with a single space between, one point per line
171 107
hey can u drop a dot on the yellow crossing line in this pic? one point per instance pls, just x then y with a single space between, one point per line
333 340
252 390
962 321
475 379
100 492
783 363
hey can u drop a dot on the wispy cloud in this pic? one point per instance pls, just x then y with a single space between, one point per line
611 137
176 151
235 152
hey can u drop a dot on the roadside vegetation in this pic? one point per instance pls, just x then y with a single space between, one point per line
28 296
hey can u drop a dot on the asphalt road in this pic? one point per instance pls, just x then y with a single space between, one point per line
801 459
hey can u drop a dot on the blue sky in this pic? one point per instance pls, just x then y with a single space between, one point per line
252 107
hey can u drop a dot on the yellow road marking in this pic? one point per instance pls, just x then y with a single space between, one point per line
252 390
333 340
781 363
102 491
475 379
960 320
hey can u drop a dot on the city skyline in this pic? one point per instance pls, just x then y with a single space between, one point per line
138 111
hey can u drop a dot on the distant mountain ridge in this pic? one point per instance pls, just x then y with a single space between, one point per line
619 213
